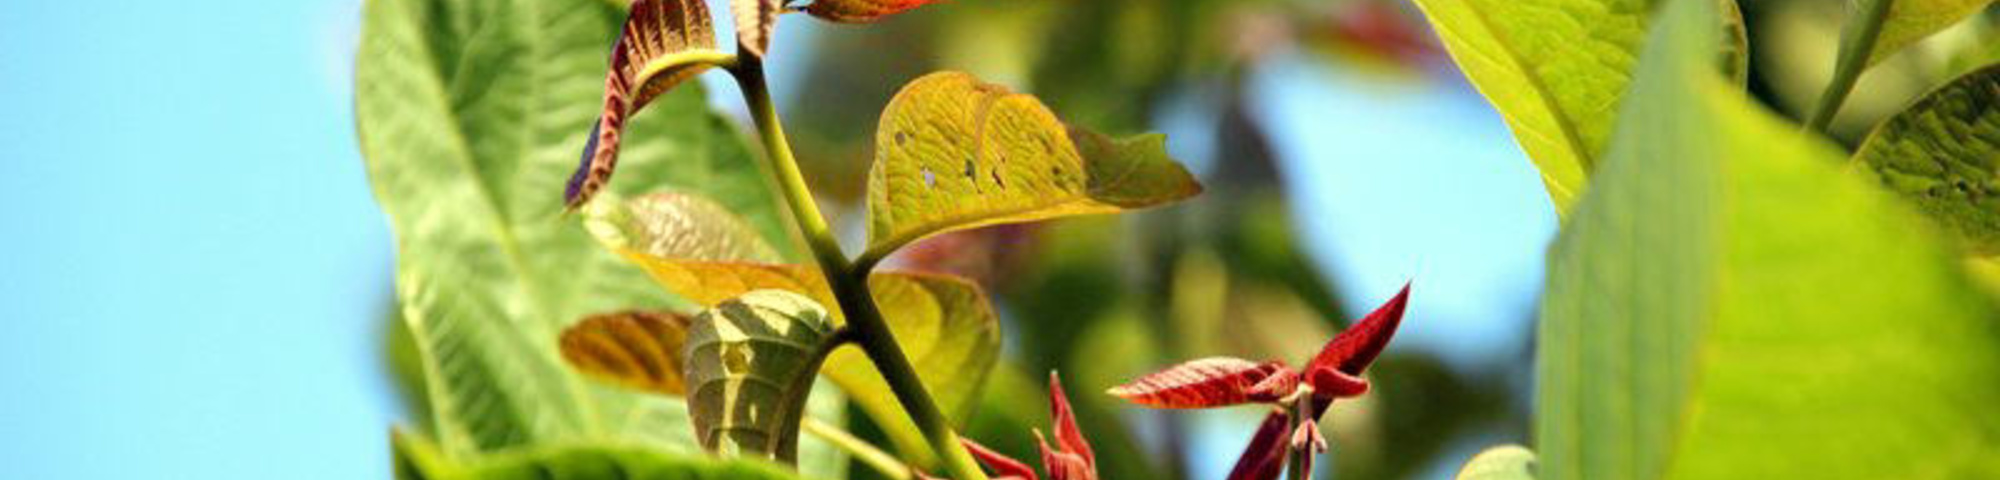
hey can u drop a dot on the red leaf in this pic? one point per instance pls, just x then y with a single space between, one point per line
1068 436
654 29
1331 384
1002 465
1352 350
1210 382
860 11
1063 465
1265 456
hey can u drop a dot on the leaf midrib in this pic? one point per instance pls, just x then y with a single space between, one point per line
1585 158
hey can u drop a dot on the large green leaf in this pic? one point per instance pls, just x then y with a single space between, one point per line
1725 303
418 459
470 114
1943 153
1556 69
953 153
1510 462
1911 20
944 323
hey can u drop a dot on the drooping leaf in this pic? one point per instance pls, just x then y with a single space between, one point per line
1831 336
1943 154
955 153
1912 20
418 459
1507 462
755 20
750 365
860 11
1265 456
1556 70
1353 349
1204 383
663 43
636 348
464 111
943 323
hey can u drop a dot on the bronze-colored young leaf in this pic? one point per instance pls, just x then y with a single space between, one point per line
664 43
638 349
1203 383
755 20
860 11
1943 154
750 365
953 153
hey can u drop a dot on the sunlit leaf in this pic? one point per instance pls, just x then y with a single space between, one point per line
663 43
750 365
1556 70
638 349
1203 383
1943 154
954 153
467 113
1353 349
944 323
418 459
1912 20
755 20
860 11
1727 303
1510 462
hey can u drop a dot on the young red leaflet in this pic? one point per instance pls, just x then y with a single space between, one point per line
1070 458
1207 382
1003 467
651 55
1265 455
1355 348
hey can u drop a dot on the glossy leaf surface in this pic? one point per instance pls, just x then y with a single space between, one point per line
953 153
1510 462
1943 154
1203 383
750 365
1685 328
468 112
663 43
1556 71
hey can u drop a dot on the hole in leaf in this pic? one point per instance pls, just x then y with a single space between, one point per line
902 138
996 178
969 172
930 179
735 358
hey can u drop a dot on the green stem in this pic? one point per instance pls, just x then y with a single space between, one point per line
849 284
1857 43
883 463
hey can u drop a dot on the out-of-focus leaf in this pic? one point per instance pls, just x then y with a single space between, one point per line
750 365
664 43
1266 453
755 19
1556 70
860 11
1509 462
465 110
418 459
955 153
1943 154
1204 383
638 349
1912 20
1831 335
944 323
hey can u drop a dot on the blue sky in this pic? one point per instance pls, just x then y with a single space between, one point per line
193 270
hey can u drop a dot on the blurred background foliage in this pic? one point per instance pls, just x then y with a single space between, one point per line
1106 299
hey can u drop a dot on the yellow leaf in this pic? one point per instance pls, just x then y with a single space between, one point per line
955 153
637 349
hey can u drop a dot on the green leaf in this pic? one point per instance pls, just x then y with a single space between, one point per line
954 153
1507 462
418 459
1911 20
1726 303
1556 70
1943 154
944 323
750 364
468 112
663 43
